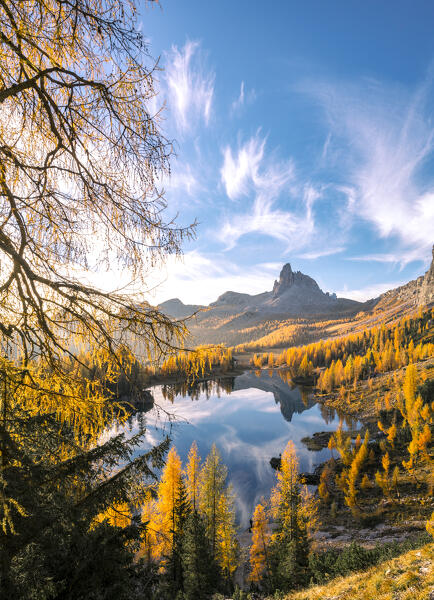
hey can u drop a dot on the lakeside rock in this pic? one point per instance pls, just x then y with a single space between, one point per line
317 441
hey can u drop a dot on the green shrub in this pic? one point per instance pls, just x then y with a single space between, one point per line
334 563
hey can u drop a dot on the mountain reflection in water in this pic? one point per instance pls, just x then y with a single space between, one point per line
243 416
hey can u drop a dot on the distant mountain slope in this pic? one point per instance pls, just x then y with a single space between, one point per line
418 292
295 311
294 293
177 309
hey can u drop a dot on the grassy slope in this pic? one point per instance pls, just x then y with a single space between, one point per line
407 577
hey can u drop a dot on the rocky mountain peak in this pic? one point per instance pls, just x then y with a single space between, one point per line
289 278
427 288
286 279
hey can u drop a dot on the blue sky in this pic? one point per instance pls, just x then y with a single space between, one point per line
304 134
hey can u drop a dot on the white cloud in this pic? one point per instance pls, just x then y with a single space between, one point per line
249 172
243 99
293 229
238 103
240 172
398 258
320 253
190 86
264 220
388 137
199 279
270 266
325 148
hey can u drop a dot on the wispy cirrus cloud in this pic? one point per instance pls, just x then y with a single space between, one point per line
240 170
396 258
245 97
293 229
190 86
239 102
248 171
385 137
320 253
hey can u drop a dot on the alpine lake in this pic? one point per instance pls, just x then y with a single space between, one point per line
250 418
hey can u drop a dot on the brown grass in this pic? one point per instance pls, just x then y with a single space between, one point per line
407 577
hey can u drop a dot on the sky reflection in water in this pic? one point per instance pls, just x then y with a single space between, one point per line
249 425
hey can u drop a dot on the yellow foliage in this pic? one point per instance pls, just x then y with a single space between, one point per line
192 474
360 457
226 535
198 363
430 525
287 481
164 521
118 515
259 564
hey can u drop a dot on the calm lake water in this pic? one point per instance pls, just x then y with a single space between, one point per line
250 418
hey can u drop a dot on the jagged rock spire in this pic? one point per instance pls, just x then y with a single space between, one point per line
289 278
427 290
286 279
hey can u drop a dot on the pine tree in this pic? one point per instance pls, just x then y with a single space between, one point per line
149 550
201 573
303 369
410 385
227 545
418 417
74 517
168 493
360 457
324 487
290 545
173 579
383 480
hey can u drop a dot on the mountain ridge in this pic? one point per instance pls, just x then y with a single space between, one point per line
292 292
295 311
421 290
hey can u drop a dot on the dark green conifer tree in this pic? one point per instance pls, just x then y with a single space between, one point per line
290 547
201 573
55 542
173 579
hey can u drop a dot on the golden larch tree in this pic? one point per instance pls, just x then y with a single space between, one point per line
168 493
227 546
192 475
259 550
212 487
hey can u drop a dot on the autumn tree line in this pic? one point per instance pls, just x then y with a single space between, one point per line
367 471
348 359
189 535
127 375
200 362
